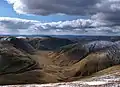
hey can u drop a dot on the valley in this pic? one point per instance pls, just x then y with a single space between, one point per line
53 60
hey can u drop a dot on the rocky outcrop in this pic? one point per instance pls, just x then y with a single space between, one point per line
113 52
96 45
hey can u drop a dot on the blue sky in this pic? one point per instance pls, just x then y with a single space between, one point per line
78 17
9 12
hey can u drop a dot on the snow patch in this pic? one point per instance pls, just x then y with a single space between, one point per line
96 83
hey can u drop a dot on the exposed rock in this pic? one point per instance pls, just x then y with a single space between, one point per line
97 45
113 53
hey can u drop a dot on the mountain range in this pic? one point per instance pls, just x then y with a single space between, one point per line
50 59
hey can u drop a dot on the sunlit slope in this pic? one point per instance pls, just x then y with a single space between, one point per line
70 54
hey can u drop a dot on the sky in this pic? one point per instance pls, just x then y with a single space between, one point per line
60 17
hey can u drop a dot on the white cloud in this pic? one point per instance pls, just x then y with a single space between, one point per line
79 26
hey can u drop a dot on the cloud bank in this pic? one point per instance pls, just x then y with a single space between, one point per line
79 26
104 15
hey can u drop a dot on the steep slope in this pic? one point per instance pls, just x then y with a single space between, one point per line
97 45
19 44
19 67
13 60
96 61
73 53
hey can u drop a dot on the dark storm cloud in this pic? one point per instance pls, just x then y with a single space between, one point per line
107 10
46 7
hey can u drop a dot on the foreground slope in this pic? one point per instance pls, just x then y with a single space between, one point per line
106 78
